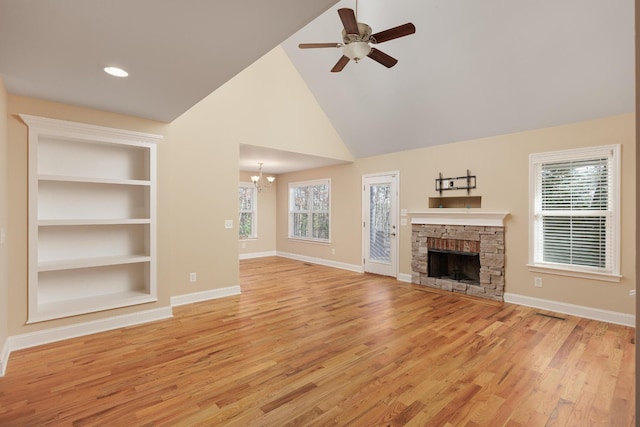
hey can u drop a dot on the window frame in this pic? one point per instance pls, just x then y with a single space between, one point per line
611 272
254 211
290 201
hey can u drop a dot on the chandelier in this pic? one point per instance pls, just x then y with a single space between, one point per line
260 182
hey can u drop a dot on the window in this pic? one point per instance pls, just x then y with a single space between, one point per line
309 210
247 224
575 211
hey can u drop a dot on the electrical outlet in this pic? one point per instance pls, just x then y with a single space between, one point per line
333 251
537 282
244 245
228 223
193 277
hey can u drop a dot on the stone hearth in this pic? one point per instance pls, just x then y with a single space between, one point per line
485 240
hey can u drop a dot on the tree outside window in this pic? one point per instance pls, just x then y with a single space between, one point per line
309 216
248 213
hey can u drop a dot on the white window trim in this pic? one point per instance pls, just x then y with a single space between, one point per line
290 235
565 270
254 219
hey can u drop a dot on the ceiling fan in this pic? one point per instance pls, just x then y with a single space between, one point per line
357 39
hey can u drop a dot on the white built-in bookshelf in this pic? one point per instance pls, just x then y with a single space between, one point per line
92 210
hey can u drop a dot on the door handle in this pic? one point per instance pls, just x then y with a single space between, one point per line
392 234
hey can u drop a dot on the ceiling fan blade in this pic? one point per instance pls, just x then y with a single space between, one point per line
340 64
318 45
383 58
394 33
348 18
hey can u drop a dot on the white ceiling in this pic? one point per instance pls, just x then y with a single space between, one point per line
278 161
473 68
176 51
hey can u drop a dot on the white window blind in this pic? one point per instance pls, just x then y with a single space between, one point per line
575 209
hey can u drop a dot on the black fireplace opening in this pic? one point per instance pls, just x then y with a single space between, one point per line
453 265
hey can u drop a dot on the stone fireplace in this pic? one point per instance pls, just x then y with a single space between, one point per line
459 252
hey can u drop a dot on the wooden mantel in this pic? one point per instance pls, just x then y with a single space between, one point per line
459 217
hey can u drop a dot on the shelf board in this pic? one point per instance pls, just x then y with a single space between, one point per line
459 202
91 262
123 221
93 180
74 307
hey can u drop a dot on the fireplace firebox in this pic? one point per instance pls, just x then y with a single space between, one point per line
453 265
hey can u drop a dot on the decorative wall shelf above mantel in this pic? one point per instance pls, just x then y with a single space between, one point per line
459 217
456 202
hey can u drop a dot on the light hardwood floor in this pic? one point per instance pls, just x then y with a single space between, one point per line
311 345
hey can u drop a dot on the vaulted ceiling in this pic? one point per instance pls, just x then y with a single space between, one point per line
472 69
176 51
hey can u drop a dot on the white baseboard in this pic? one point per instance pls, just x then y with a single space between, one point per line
204 295
325 262
258 255
572 309
4 357
403 277
32 339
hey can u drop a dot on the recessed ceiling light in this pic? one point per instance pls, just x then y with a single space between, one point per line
116 72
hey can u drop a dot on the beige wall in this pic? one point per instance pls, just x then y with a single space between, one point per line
345 215
195 195
203 194
4 202
17 154
637 180
266 240
501 166
267 104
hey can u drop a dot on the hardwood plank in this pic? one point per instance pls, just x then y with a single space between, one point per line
311 345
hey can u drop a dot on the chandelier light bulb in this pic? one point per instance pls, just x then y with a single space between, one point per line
260 182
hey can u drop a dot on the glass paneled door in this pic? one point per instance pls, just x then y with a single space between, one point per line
379 214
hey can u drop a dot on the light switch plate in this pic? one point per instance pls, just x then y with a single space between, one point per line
228 223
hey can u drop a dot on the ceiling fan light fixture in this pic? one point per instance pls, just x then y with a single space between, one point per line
357 37
356 50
